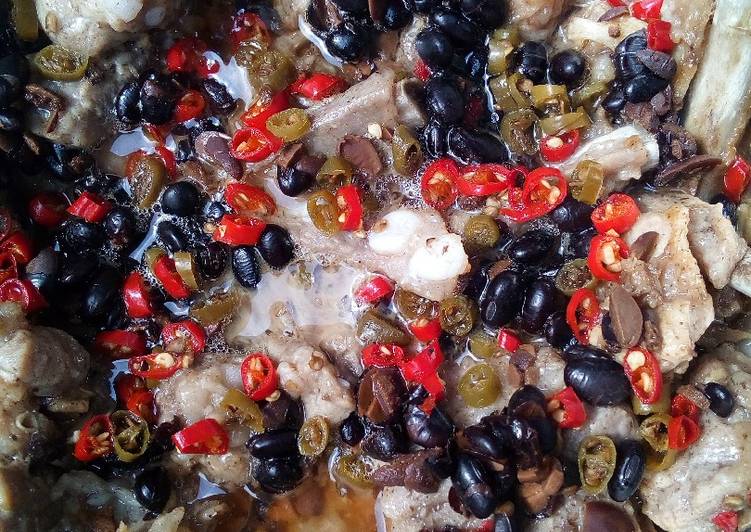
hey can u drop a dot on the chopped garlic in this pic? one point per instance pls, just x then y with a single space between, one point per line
392 233
439 258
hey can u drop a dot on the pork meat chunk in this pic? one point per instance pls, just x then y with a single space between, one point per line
712 238
691 492
668 282
372 101
86 118
408 511
90 27
536 19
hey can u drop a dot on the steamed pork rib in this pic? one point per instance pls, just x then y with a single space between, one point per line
673 499
668 281
90 28
718 117
536 19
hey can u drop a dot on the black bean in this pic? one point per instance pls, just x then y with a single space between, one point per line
471 480
474 64
423 6
180 198
615 100
597 380
527 394
507 523
518 436
14 65
293 182
11 120
503 298
632 43
460 29
729 208
274 444
211 259
126 104
172 236
42 270
474 146
629 470
396 15
245 266
567 67
721 401
434 48
628 65
220 99
352 6
77 268
434 138
487 13
68 163
120 226
531 247
352 430
384 442
539 303
278 475
480 441
158 99
643 87
102 292
572 215
578 351
531 61
78 235
285 412
152 489
580 242
347 42
276 246
557 331
7 92
444 101
214 210
184 151
428 430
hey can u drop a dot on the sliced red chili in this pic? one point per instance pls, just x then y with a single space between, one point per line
186 331
508 340
618 213
248 27
421 70
167 275
237 230
438 185
375 289
382 355
265 107
203 437
190 106
646 9
558 148
484 179
683 406
658 36
254 144
183 55
133 394
95 439
48 209
350 207
682 432
583 314
259 376
436 389
424 364
136 297
566 409
426 330
20 245
318 86
24 292
170 163
616 3
118 344
248 199
737 178
605 255
91 207
157 366
543 190
726 521
8 266
643 371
